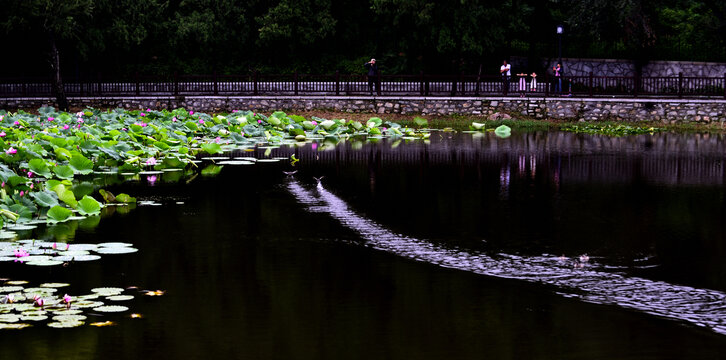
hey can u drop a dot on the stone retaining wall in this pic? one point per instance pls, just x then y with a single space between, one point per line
690 110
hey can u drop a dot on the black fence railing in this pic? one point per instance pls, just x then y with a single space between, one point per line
257 84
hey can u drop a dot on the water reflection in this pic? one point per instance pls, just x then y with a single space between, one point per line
581 279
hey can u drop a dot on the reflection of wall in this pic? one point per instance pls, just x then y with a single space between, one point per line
558 108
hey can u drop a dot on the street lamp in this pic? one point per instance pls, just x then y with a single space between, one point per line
560 30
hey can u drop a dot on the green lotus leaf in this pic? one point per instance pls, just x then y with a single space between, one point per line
211 148
81 165
39 167
107 291
65 324
89 206
503 131
125 198
45 198
120 297
48 262
58 214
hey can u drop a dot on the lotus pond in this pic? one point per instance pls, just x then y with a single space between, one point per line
315 239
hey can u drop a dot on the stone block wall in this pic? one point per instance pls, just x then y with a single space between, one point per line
621 67
591 109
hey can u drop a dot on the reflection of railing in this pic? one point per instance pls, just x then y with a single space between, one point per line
671 160
258 84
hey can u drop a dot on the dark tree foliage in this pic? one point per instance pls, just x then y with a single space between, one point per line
121 38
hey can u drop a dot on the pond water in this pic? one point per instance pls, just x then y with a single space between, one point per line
538 246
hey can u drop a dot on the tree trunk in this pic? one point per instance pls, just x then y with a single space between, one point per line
57 80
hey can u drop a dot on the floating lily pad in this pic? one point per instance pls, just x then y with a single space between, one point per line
215 158
14 326
33 313
48 262
16 282
10 289
9 318
7 258
33 317
267 160
88 297
235 162
81 247
148 203
117 250
37 258
87 304
69 317
7 235
107 291
111 308
77 258
120 297
115 244
66 324
73 253
68 312
53 285
21 227
40 290
151 172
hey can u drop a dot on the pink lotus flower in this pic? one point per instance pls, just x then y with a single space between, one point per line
39 301
2 134
151 161
51 118
80 121
217 139
68 246
191 113
65 127
173 119
234 111
54 246
67 299
3 184
11 151
30 174
151 179
148 109
315 123
31 186
79 126
22 193
79 114
21 253
242 133
2 117
259 121
142 114
201 121
384 129
9 298
16 123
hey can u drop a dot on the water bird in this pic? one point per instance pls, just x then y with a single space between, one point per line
318 179
290 173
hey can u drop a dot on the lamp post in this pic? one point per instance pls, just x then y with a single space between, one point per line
560 30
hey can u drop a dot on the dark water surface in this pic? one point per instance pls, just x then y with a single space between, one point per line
406 250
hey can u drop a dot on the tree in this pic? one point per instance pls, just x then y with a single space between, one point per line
49 19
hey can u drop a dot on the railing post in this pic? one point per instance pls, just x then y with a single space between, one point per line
255 80
136 81
378 83
426 86
680 85
337 83
547 84
99 84
176 83
636 84
295 82
216 83
590 85
421 83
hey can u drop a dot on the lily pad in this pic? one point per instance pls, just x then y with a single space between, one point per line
267 160
33 317
68 312
111 308
107 291
14 326
66 324
21 227
115 244
77 258
120 297
10 289
40 290
235 162
69 317
44 262
87 304
117 250
9 318
53 285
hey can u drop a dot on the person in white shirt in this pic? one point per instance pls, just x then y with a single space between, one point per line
506 73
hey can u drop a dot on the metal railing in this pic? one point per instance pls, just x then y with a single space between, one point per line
337 84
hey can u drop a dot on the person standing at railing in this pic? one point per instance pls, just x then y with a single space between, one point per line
504 70
558 78
372 69
533 82
522 84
